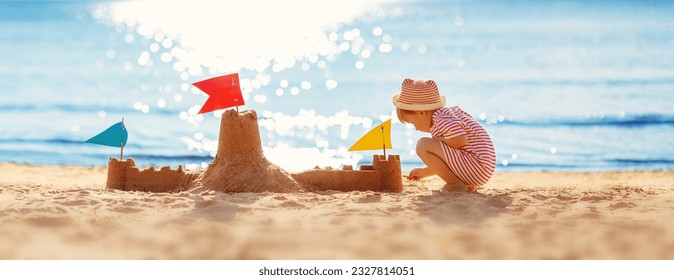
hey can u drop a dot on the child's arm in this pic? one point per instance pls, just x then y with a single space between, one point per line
456 142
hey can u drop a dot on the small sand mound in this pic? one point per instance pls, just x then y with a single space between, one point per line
246 173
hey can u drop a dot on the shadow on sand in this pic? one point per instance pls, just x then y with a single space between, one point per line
220 206
450 206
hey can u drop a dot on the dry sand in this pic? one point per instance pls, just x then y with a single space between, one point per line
67 213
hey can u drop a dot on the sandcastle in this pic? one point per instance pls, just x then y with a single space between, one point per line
124 175
240 166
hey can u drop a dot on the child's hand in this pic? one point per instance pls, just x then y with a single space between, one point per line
417 174
413 175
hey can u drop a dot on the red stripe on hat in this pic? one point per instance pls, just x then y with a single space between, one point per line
418 92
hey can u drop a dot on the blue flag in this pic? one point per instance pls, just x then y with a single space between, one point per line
114 136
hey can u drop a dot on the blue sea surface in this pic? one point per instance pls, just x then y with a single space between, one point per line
559 85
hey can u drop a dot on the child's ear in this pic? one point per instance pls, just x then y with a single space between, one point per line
399 113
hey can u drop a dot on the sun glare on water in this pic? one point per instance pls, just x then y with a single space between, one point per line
207 38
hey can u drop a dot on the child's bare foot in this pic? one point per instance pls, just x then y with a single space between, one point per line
458 187
454 187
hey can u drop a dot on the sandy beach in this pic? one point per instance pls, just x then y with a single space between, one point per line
53 212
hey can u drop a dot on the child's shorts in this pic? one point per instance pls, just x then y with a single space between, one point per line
466 166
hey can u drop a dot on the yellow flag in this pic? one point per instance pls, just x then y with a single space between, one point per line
377 138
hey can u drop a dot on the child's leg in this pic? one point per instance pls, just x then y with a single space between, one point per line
430 152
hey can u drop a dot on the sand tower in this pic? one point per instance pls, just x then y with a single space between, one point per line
240 165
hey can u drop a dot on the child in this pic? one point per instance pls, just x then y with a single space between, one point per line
460 150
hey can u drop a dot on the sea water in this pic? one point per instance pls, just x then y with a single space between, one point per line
559 85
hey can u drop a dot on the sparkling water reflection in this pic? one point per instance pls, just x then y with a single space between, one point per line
558 86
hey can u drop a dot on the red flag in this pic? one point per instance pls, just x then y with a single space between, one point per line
223 92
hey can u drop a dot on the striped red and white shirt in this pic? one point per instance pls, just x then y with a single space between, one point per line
473 163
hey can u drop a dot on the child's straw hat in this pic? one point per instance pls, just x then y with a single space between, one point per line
418 95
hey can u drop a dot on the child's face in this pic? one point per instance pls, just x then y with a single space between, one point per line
422 120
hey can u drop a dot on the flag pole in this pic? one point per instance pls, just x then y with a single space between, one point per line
121 145
383 140
236 100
